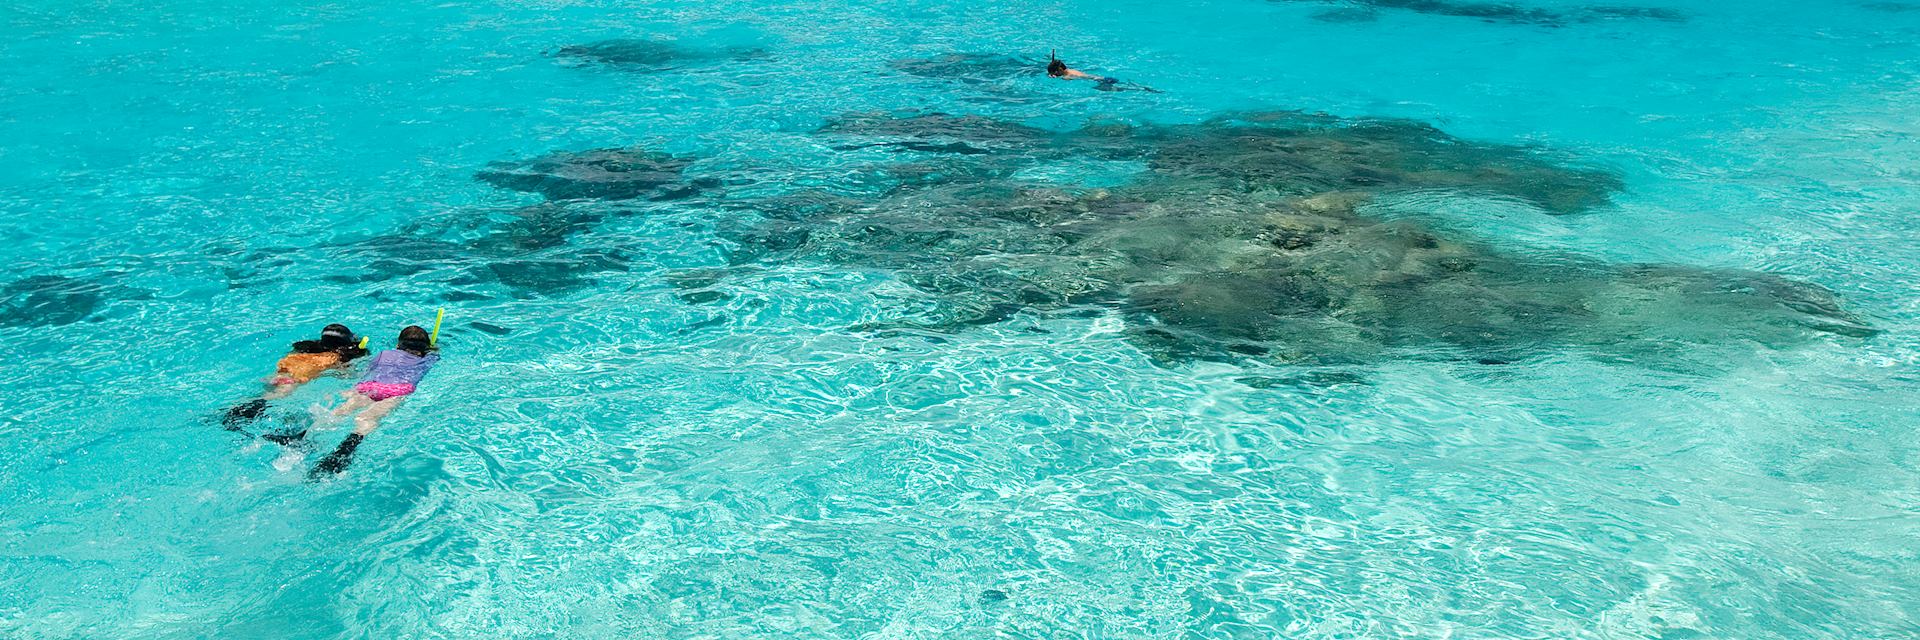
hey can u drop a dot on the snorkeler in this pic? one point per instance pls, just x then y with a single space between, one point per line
309 360
389 380
1058 68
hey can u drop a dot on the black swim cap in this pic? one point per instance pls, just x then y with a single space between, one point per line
336 335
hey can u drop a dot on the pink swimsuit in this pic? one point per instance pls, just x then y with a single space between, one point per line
383 390
393 374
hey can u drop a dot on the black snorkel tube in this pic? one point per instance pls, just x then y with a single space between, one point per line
1054 62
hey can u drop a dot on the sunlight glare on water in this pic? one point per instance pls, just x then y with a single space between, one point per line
1384 319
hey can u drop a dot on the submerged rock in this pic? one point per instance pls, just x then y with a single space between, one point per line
972 68
961 148
650 55
548 274
607 174
1304 154
1311 379
991 78
1287 152
532 253
1347 15
541 226
937 126
1590 14
396 256
490 329
55 300
1248 238
703 297
1505 12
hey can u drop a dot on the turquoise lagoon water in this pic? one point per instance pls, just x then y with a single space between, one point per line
611 451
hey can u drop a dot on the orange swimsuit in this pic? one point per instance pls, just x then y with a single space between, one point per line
300 368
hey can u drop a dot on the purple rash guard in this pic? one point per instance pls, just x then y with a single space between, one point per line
394 366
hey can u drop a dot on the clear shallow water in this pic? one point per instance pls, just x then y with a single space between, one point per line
625 463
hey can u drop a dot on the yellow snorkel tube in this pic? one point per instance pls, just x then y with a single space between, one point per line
433 340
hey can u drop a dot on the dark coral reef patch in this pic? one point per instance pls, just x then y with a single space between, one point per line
1248 238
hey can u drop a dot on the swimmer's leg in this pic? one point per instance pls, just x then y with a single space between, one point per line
363 424
369 420
280 390
355 402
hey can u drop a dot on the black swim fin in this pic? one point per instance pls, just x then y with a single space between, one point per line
241 414
337 461
296 439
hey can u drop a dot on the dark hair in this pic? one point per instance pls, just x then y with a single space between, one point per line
310 346
415 340
1057 68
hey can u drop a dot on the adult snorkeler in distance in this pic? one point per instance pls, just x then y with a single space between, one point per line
1058 68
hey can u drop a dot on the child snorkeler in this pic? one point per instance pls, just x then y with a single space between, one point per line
310 359
389 380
